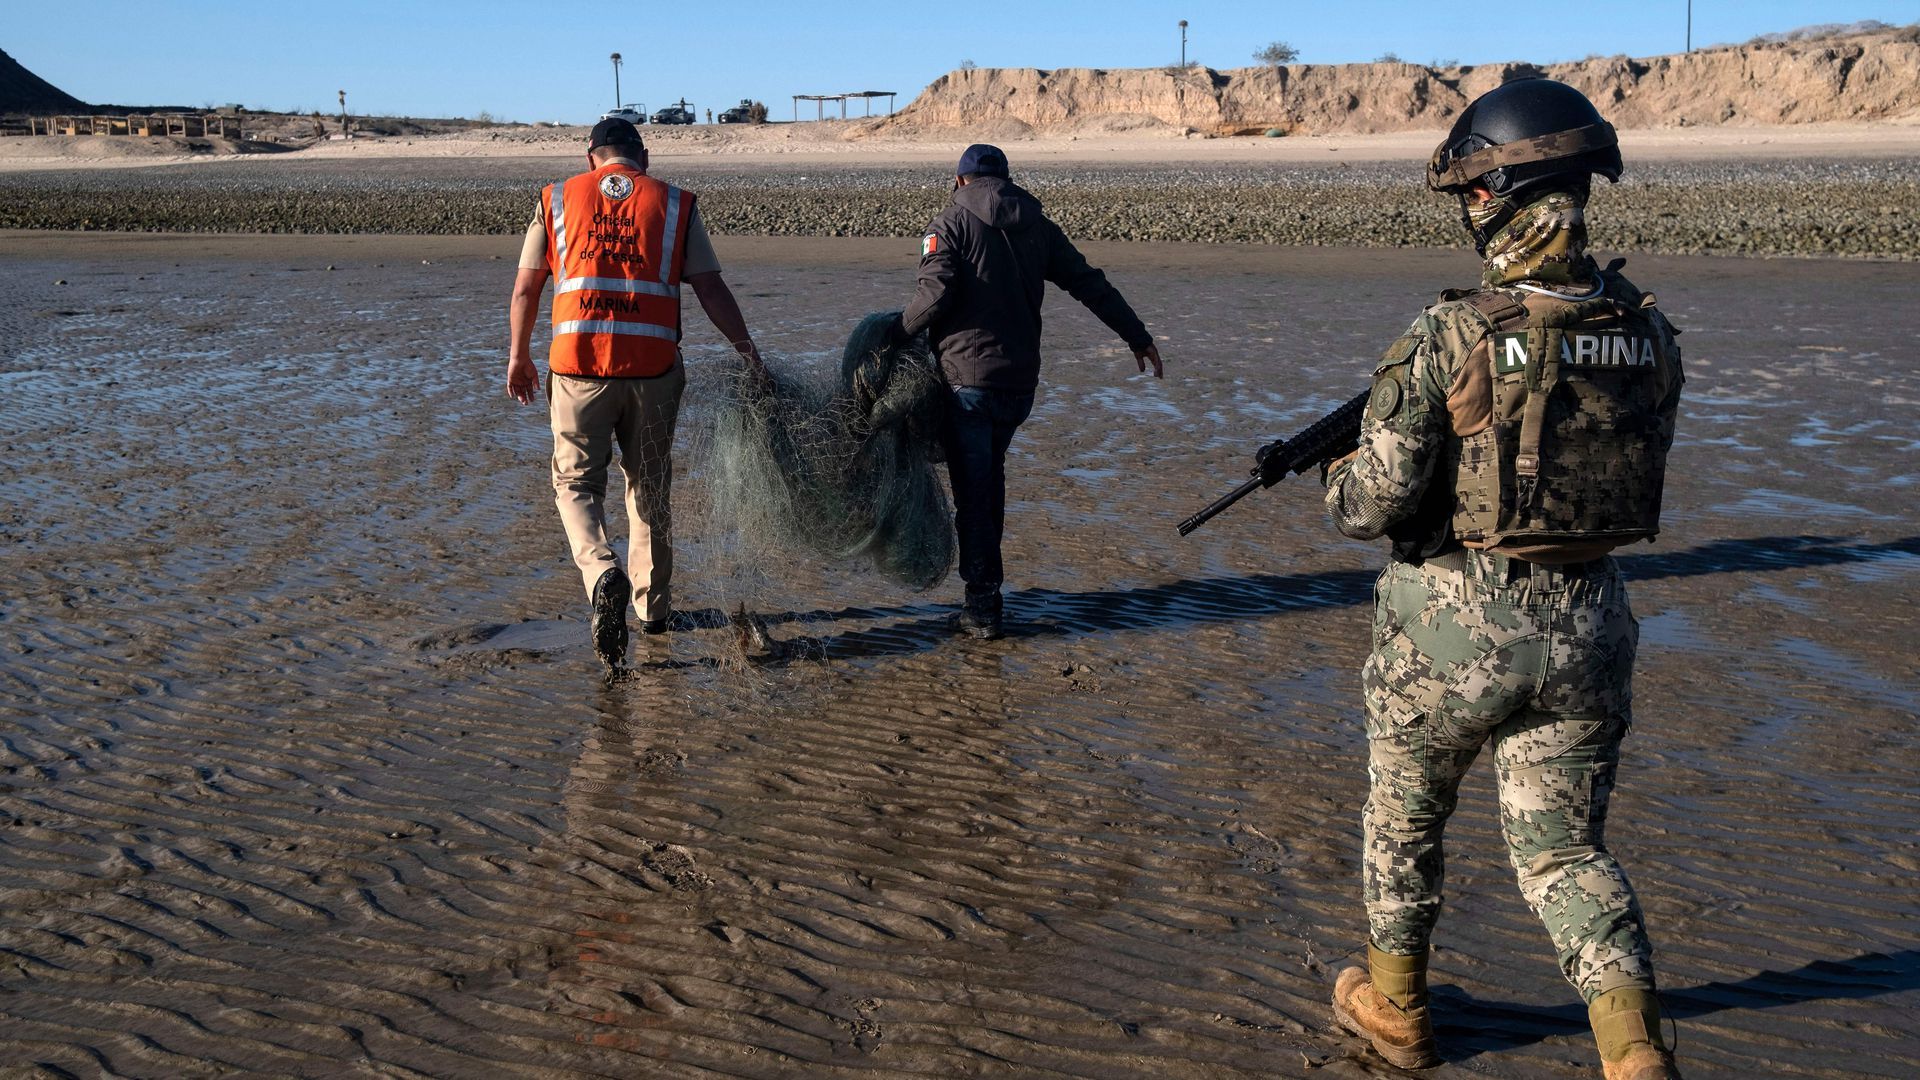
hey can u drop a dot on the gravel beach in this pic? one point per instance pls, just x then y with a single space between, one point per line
1792 207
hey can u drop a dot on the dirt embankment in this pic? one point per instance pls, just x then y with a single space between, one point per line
1865 77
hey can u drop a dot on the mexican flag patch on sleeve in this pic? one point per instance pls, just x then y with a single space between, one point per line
929 244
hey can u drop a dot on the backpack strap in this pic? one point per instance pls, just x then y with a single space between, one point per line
1542 373
1547 334
1500 310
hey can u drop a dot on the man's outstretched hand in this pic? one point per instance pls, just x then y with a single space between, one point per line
523 382
1150 353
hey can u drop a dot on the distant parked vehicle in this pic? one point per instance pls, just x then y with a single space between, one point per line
739 114
680 112
633 114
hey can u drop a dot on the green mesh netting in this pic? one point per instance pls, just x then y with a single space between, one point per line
840 467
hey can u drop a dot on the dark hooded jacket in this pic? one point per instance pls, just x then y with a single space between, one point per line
983 271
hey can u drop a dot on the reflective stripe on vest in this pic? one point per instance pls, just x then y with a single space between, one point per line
609 326
616 248
607 284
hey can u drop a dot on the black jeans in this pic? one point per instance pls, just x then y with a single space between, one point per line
978 427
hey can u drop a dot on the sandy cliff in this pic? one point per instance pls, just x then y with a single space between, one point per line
1864 77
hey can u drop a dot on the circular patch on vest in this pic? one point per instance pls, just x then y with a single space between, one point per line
616 186
1386 399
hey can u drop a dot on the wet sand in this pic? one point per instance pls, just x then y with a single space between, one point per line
305 767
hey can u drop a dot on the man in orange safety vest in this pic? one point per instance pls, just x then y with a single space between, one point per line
618 244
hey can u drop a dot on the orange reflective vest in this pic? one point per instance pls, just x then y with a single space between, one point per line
616 245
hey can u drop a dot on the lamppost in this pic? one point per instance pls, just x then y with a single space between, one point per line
1183 43
616 79
1689 25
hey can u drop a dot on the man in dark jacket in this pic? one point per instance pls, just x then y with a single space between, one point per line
984 265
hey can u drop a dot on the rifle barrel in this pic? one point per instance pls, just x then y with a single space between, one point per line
1220 504
1333 435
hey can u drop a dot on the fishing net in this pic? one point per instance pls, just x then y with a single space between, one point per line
839 465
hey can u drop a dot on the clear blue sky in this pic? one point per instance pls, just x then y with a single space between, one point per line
529 62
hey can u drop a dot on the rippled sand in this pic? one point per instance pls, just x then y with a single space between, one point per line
305 767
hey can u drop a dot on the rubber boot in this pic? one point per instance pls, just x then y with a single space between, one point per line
1387 1005
1626 1026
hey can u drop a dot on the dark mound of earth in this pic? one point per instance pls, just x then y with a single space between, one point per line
21 91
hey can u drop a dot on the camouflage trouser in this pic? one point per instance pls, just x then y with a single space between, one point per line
1471 649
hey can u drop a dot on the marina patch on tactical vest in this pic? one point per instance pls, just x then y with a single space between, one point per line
1595 349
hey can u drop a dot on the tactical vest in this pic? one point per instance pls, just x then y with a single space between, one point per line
616 244
1574 449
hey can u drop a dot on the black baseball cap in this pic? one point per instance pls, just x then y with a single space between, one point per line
982 160
614 131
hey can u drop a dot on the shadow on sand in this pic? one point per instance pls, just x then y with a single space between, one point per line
1468 1026
1042 613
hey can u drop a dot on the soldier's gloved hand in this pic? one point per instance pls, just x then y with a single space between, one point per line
1327 467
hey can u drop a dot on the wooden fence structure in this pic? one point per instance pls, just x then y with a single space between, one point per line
820 102
140 125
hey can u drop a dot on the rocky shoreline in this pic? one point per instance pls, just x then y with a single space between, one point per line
1855 209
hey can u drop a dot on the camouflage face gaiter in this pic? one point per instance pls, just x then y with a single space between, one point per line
1545 242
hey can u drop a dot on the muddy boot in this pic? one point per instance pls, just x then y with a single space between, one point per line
1387 1005
610 596
1626 1025
979 616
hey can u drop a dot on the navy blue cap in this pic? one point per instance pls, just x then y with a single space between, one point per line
982 160
613 131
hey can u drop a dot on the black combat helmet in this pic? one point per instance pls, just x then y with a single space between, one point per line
1524 135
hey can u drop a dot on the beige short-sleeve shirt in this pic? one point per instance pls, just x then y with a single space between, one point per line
700 255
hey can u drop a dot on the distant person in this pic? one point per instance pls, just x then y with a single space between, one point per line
620 244
1516 434
709 116
984 265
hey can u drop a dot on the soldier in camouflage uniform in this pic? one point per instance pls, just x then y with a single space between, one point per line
1515 435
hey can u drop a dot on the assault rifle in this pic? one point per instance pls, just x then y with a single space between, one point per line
1333 435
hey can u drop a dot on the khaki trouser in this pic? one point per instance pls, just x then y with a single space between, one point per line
589 417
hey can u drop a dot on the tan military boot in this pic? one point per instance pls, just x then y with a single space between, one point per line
1626 1026
1387 1005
